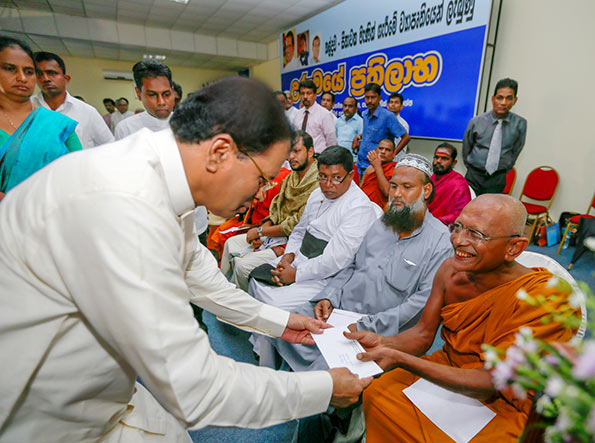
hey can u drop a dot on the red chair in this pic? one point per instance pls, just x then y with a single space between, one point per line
573 222
540 185
510 180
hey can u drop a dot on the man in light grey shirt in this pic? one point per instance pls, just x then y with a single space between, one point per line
511 130
392 274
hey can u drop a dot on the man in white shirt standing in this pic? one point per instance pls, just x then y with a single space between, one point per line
314 119
154 90
52 80
121 112
99 264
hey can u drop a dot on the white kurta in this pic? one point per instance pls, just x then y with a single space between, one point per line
99 263
343 223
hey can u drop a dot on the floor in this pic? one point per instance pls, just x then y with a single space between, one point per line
231 342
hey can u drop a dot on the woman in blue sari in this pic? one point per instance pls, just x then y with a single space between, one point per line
29 138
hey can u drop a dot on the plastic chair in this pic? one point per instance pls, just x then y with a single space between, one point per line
573 222
510 181
534 259
540 185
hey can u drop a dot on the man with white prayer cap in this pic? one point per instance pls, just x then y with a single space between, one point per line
391 276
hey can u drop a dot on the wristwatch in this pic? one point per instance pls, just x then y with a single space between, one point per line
259 230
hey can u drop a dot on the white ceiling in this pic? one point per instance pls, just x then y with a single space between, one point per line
216 34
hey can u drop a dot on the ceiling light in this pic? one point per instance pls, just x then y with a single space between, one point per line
179 1
154 57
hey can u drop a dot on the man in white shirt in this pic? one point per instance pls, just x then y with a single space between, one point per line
336 218
290 110
314 119
154 90
395 105
121 112
52 80
99 269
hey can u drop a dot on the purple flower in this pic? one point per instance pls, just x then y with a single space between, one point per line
502 374
584 367
552 360
515 356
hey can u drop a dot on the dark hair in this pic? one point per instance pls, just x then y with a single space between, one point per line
507 83
176 87
244 108
43 56
433 193
308 84
80 97
396 95
329 93
306 138
122 99
315 38
109 100
374 87
302 37
277 93
6 42
453 150
352 98
336 155
150 69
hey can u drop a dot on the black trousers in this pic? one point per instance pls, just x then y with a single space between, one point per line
484 183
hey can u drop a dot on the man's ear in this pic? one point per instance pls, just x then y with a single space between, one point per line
137 93
428 190
67 78
454 163
221 149
515 247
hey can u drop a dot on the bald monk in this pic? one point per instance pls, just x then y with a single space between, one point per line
376 177
474 298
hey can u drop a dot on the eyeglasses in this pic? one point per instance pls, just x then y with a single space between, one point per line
475 236
332 180
264 182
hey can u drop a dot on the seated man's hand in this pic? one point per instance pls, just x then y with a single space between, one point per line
374 159
284 275
279 250
300 327
375 347
323 309
252 235
347 387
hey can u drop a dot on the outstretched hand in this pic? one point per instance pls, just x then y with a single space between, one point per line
300 327
347 387
375 348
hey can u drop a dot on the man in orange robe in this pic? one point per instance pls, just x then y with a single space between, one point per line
474 298
375 180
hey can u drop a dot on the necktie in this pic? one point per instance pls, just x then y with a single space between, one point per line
495 149
305 122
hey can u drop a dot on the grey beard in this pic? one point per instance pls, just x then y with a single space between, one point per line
405 219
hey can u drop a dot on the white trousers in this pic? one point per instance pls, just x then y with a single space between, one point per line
236 264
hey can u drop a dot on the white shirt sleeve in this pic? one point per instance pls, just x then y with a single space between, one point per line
121 131
123 269
100 133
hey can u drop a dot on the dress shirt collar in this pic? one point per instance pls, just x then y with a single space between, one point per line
173 170
69 101
352 119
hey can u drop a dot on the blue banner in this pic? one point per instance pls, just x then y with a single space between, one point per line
436 66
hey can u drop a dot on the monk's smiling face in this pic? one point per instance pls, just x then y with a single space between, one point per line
489 234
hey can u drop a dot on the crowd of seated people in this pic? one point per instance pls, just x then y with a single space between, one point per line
354 220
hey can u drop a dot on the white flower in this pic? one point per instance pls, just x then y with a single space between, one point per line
563 422
519 391
526 332
515 356
501 375
590 243
543 403
491 358
553 282
522 295
554 386
576 299
590 424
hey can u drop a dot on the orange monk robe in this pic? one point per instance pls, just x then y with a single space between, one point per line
370 184
493 317
257 213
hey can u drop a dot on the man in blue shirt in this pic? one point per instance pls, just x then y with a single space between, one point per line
379 123
349 125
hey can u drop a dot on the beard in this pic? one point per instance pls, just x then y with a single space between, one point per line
301 166
441 171
405 219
